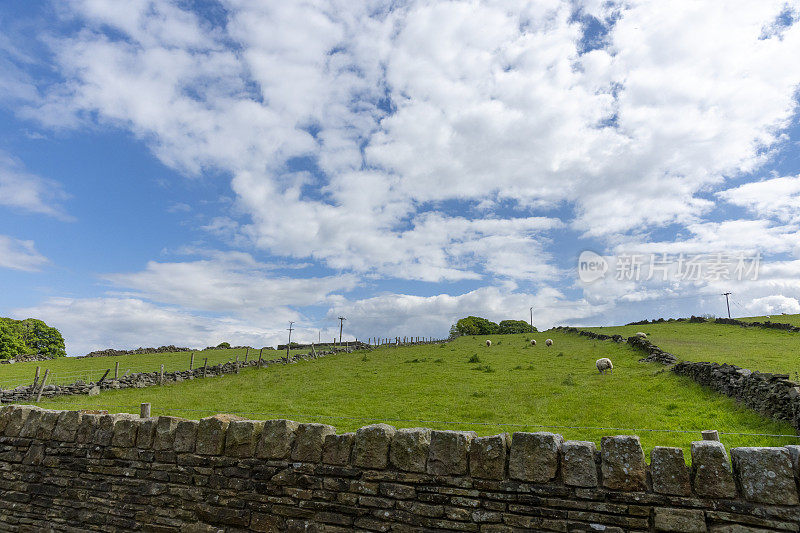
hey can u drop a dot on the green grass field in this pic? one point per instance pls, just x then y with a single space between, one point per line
765 350
780 319
466 385
68 369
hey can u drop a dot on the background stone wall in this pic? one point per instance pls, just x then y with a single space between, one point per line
77 471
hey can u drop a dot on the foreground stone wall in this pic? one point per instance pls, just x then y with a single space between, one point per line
77 471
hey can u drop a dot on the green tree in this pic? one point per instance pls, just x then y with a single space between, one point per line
41 338
475 325
11 344
514 326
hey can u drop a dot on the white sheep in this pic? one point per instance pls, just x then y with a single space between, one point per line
604 364
488 342
642 335
533 342
548 342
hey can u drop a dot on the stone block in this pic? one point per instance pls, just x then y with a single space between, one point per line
86 428
669 472
31 425
104 432
308 442
124 432
277 439
409 449
448 453
765 475
534 456
67 426
679 520
164 434
794 453
711 471
147 429
488 455
5 413
211 434
185 436
371 446
243 435
578 467
48 419
337 449
623 465
16 419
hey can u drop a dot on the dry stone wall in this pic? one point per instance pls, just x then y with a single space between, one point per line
78 471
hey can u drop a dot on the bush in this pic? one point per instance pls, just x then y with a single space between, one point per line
11 344
22 337
514 326
475 325
223 346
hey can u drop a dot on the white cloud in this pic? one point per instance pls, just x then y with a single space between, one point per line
229 282
96 323
20 255
776 198
22 190
431 102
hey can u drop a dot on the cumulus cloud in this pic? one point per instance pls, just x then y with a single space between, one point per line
773 198
405 108
22 190
20 255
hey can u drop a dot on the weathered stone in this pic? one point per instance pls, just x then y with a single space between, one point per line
211 434
711 471
185 436
31 425
679 520
147 429
17 418
48 419
277 439
578 467
794 453
409 449
623 465
448 453
86 428
308 442
125 430
669 471
164 435
371 447
67 426
765 475
337 449
487 456
534 456
104 432
243 435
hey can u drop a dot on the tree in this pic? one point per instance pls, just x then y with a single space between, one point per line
514 326
41 338
475 325
11 344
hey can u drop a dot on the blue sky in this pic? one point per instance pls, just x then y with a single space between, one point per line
187 173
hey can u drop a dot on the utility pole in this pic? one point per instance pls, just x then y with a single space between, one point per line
726 294
289 345
341 324
531 319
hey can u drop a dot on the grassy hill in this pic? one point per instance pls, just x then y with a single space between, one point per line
765 350
466 385
68 369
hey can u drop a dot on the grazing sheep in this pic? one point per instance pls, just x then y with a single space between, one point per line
548 342
533 342
604 364
488 342
642 335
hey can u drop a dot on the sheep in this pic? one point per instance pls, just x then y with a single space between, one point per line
488 343
604 364
642 335
533 342
548 342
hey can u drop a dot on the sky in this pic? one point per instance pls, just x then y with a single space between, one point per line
187 173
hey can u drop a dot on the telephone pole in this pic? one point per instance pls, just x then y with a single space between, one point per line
289 344
341 324
726 294
531 319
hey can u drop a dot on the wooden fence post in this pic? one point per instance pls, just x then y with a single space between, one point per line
116 370
710 434
191 362
237 363
44 382
313 351
261 351
205 366
161 376
36 376
246 353
144 410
